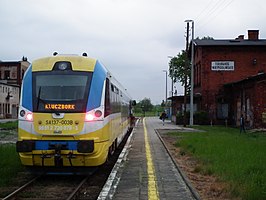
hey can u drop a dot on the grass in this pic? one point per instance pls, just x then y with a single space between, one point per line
147 114
9 125
9 163
239 160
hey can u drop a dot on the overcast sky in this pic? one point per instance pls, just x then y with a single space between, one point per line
132 38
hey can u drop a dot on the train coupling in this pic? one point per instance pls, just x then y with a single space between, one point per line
58 160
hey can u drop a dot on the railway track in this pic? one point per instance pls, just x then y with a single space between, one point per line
69 186
20 189
49 187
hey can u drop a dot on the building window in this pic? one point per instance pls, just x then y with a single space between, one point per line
8 108
222 111
7 74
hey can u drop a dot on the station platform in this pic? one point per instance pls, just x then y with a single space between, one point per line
144 169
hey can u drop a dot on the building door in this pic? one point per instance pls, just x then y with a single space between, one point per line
14 112
238 112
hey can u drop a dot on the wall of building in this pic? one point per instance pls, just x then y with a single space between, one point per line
9 101
209 84
260 104
247 98
11 75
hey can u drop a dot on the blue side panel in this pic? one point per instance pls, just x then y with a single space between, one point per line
98 77
27 90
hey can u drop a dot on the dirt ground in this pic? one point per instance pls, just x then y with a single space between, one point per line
208 187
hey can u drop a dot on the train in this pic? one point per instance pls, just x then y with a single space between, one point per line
72 113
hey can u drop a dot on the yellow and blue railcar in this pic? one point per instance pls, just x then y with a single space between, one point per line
73 113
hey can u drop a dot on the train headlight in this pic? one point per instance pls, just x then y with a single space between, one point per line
25 114
62 65
89 117
98 113
29 117
94 115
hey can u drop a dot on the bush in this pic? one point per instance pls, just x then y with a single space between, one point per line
200 118
180 118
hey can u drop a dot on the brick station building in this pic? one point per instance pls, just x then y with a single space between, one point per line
11 75
229 80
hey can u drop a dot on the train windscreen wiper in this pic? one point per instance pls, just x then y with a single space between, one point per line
39 97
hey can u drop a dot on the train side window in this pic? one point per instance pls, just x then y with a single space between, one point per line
112 87
107 108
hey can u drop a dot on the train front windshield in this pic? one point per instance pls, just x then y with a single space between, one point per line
58 91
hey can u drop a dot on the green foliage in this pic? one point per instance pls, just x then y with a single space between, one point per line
200 118
9 125
145 108
144 105
180 118
10 164
179 69
237 159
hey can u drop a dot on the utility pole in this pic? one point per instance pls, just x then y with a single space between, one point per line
186 69
191 121
191 75
165 87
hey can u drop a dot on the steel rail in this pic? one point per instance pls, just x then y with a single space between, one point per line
13 194
74 193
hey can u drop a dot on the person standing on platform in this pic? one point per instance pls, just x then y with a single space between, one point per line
163 117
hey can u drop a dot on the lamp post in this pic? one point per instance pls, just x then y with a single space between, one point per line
165 86
192 74
172 92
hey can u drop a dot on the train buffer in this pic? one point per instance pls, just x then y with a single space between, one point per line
145 169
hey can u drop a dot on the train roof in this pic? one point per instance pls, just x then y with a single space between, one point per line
79 63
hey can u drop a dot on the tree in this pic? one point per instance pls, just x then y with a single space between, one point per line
179 70
143 106
146 105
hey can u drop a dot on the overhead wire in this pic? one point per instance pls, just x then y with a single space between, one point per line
210 12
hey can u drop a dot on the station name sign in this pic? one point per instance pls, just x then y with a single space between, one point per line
223 65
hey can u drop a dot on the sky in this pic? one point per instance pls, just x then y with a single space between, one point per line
132 38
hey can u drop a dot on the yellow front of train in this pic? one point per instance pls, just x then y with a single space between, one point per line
62 117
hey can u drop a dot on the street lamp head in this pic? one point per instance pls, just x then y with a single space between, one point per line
189 20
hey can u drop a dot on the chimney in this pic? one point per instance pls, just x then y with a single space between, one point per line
253 34
240 37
